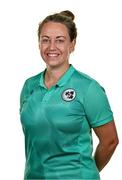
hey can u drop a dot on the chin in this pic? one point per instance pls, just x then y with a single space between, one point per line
52 62
53 65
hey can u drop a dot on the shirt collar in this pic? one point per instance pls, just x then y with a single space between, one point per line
62 81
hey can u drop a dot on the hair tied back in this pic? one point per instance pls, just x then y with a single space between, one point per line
68 14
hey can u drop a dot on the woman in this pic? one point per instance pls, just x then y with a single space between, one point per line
59 108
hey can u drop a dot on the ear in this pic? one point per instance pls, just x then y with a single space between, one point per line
72 47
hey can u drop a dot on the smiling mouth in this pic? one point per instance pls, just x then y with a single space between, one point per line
52 54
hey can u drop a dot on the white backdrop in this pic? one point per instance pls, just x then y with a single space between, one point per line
98 53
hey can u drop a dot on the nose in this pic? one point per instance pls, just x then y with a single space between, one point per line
52 45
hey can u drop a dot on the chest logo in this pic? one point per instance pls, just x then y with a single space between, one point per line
68 94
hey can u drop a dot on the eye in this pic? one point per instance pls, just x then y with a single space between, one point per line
45 40
60 41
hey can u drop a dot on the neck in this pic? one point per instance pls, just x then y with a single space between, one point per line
53 74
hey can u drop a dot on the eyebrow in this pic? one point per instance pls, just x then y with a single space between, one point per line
60 37
45 36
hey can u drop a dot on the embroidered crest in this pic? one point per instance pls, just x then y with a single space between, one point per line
68 94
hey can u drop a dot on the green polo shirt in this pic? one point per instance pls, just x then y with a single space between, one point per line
57 126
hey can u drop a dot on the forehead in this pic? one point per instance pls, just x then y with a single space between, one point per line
54 29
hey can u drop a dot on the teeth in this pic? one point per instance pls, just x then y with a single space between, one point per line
53 55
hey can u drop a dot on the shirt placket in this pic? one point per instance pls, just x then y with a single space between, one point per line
48 94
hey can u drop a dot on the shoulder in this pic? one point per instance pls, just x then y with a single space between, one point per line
84 80
33 79
86 85
30 83
84 76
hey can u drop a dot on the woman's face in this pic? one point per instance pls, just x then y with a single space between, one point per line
55 44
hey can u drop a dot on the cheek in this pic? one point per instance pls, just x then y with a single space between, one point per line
66 51
42 50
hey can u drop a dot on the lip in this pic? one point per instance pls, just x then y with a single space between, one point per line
52 54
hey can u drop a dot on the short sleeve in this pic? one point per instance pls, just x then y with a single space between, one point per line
96 105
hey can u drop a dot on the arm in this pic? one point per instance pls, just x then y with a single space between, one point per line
108 141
